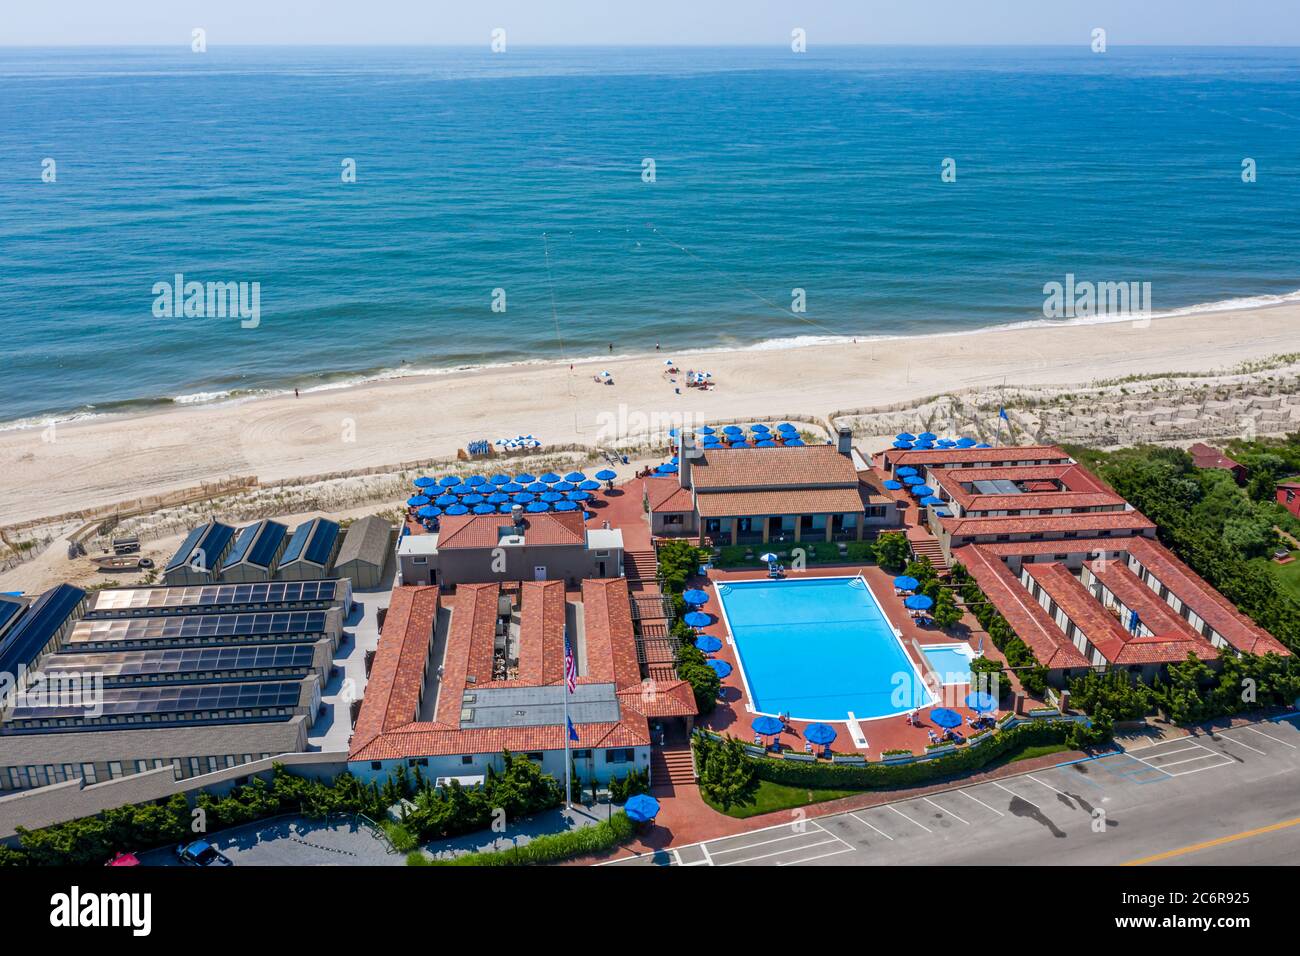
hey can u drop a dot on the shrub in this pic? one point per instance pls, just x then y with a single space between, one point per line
554 847
728 777
892 550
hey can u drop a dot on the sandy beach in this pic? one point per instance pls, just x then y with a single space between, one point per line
104 460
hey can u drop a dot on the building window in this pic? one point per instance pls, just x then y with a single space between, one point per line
582 755
674 519
376 765
114 769
536 756
620 755
466 759
418 762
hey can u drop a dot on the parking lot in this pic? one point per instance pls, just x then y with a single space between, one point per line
1108 809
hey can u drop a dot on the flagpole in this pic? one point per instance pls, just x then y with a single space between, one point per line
568 762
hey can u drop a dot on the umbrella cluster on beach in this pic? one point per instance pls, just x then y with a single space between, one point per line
476 494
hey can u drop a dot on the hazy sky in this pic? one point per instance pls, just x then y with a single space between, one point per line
623 22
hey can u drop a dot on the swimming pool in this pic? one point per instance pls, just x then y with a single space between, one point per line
951 662
819 649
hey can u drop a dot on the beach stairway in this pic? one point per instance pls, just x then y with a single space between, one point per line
929 547
640 567
672 766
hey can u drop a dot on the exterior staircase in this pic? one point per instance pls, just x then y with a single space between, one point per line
672 766
928 547
640 567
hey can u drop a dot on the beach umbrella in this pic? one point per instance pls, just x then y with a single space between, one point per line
484 509
477 480
767 726
424 481
606 475
695 596
536 507
919 602
474 499
922 491
706 430
577 495
943 717
566 506
721 668
924 445
769 557
500 479
965 442
550 496
787 428
708 643
641 808
672 433
537 487
667 469
511 487
905 583
913 480
698 619
927 436
931 500
457 510
550 478
588 485
903 445
765 444
794 443
733 430
497 498
446 481
575 477
740 444
905 436
462 490
820 734
563 486
429 511
892 485
444 500
945 443
506 509
981 702
905 471
983 445
523 497
525 479
761 429
416 500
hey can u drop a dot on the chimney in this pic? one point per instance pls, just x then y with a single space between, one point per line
687 451
845 446
517 516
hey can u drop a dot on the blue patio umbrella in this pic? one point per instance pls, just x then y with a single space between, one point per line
769 557
566 506
523 497
905 436
577 495
673 460
762 429
708 643
965 442
922 491
721 668
575 477
820 734
945 443
787 428
695 596
765 444
536 507
550 478
444 500
416 501
667 469
919 602
506 508
424 481
767 726
924 445
698 619
447 481
537 487
525 478
733 430
903 445
795 443
485 509
457 510
913 480
641 808
588 485
983 445
429 511
927 436
892 485
606 474
563 486
905 471
931 500
550 496
943 717
512 487
906 583
462 490
981 702
474 499
706 430
477 480
741 444
498 498
500 479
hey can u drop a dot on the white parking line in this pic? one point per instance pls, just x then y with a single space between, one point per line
981 802
944 810
829 833
1276 740
1047 785
749 846
708 860
867 823
1151 765
1016 795
764 856
1234 740
1169 753
809 859
909 819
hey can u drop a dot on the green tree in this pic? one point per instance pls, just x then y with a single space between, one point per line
892 551
727 777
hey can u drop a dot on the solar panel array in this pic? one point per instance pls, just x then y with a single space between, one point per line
197 596
183 660
242 544
312 540
267 544
206 628
182 555
8 608
164 701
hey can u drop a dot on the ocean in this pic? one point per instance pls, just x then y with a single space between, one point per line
520 179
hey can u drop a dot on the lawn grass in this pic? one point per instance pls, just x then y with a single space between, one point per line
775 796
1042 750
1288 575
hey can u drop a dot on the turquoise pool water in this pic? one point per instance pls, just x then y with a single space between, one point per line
952 666
819 649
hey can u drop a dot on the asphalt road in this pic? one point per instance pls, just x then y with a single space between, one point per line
1209 799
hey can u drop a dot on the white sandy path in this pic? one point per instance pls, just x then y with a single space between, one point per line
112 459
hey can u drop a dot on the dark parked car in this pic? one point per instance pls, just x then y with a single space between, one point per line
202 853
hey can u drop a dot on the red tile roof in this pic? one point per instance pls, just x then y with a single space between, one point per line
955 456
434 740
541 632
1212 607
397 673
1031 524
1027 618
802 501
753 469
1088 547
1164 623
1204 456
660 698
607 625
482 531
667 494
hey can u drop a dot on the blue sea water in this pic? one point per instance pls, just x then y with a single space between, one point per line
523 172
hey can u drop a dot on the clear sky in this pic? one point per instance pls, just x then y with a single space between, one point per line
666 22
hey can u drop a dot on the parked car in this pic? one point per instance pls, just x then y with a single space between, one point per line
202 853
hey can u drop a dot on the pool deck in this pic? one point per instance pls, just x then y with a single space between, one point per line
735 711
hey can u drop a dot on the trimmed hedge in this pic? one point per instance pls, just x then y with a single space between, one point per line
553 847
877 776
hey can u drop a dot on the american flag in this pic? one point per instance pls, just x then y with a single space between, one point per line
570 667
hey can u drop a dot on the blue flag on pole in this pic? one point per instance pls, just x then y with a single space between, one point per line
573 731
1002 414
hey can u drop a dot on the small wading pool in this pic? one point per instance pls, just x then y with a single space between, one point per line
951 662
819 649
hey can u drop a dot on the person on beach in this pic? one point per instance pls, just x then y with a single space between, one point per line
295 393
